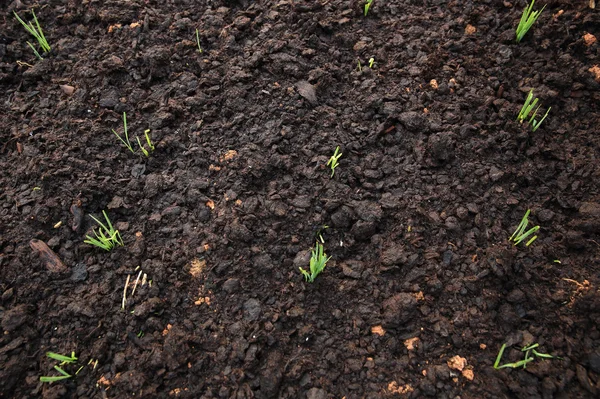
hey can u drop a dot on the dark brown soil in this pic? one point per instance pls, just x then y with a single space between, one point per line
435 176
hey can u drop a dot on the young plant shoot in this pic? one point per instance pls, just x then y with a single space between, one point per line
64 360
198 41
529 108
318 261
35 31
106 236
125 140
148 141
522 363
527 20
368 5
520 234
333 161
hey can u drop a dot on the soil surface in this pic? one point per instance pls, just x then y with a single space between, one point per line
423 286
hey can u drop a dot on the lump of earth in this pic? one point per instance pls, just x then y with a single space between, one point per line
399 310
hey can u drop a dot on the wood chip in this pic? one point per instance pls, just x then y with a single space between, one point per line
468 374
68 90
51 260
411 343
197 267
589 39
457 363
378 330
470 29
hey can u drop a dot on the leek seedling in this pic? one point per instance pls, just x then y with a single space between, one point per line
520 234
333 161
527 20
522 363
371 62
198 41
125 140
64 360
368 5
106 236
148 141
318 261
529 108
37 32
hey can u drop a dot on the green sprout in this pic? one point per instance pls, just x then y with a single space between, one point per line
127 143
522 363
148 141
359 67
520 234
125 140
368 5
37 32
318 261
371 62
106 237
64 360
528 108
333 161
198 41
527 20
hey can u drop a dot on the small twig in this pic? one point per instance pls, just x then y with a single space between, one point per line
125 292
136 283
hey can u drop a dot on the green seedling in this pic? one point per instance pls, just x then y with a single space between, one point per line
527 20
529 108
359 67
371 62
333 161
520 234
318 261
198 41
148 141
37 32
521 363
64 360
106 236
125 140
368 5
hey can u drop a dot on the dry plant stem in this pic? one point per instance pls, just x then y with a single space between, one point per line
136 283
125 292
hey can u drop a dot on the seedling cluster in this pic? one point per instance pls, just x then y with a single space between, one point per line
528 110
527 20
35 31
63 360
318 261
520 234
127 143
106 236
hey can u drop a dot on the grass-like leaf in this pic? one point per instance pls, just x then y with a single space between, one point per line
318 261
125 140
35 31
106 236
527 20
520 234
333 161
529 110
